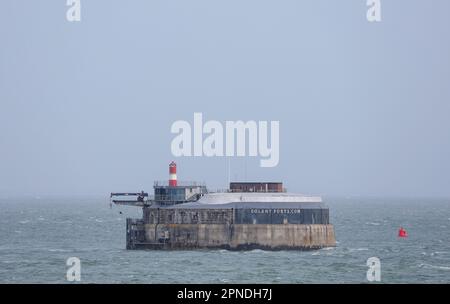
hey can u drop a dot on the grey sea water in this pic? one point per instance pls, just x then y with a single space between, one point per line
38 235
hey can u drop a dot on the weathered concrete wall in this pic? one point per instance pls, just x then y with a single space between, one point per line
192 216
236 216
283 236
170 228
238 236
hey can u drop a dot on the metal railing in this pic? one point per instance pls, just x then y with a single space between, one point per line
165 183
284 190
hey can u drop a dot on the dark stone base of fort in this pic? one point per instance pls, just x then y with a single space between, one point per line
231 229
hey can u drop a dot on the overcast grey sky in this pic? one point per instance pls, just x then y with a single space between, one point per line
86 108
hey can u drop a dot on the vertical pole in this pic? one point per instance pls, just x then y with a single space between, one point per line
229 171
245 168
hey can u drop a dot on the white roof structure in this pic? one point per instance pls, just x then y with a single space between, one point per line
256 197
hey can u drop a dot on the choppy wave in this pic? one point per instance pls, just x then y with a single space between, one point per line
359 249
434 266
256 251
59 250
373 223
63 222
328 248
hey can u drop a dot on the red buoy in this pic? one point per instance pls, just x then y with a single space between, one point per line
402 233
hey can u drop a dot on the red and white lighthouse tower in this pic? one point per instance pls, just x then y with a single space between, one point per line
173 174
